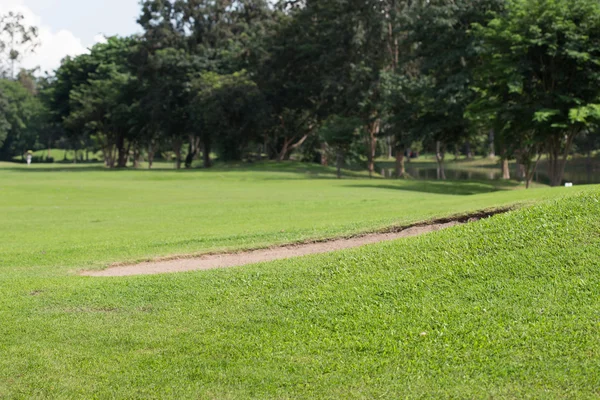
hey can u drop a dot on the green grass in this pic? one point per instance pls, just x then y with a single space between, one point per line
58 219
506 307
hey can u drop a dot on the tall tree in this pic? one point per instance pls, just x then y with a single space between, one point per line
327 58
445 54
95 95
227 113
16 40
541 74
20 112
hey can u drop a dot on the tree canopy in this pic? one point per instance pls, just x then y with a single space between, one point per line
249 79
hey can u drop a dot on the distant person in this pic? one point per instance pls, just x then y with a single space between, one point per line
29 157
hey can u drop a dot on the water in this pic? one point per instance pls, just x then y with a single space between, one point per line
577 176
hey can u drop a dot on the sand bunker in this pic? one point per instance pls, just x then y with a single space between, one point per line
212 261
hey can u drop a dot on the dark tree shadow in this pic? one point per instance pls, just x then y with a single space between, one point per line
456 188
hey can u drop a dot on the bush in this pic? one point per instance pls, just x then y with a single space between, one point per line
49 160
36 159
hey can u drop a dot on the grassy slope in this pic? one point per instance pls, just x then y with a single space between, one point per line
505 307
75 217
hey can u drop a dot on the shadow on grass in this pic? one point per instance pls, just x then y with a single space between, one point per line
466 165
456 188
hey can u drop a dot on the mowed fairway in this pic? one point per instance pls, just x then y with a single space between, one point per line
504 307
70 218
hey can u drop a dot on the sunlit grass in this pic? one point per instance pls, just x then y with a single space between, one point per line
503 308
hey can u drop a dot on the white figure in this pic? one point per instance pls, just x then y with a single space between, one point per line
28 159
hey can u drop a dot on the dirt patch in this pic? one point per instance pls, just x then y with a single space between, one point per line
225 260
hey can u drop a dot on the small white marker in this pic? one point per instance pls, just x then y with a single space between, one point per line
569 184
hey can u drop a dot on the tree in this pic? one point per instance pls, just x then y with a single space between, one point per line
96 96
404 102
443 57
184 40
4 125
339 133
326 60
20 119
16 40
541 74
227 111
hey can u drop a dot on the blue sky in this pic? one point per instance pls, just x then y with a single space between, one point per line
69 27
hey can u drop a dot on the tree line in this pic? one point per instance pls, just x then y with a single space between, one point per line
325 80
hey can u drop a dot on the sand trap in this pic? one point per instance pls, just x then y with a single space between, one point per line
213 261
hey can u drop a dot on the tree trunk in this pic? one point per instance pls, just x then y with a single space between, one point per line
557 161
136 156
177 143
505 169
469 151
193 151
284 149
530 174
151 151
122 153
565 157
339 162
400 169
206 153
553 162
288 147
372 130
324 160
196 147
521 172
492 148
588 166
439 156
107 153
112 157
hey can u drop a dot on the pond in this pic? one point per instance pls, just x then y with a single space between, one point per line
576 175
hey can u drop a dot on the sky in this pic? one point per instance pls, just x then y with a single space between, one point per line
70 27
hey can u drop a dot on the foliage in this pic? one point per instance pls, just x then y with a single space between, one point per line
248 78
540 79
16 40
229 110
21 119
339 133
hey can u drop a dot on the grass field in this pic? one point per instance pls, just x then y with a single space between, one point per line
69 218
506 307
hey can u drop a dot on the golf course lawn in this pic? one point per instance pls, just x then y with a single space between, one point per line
57 219
506 307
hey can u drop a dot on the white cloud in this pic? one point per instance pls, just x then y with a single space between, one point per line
54 45
100 38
